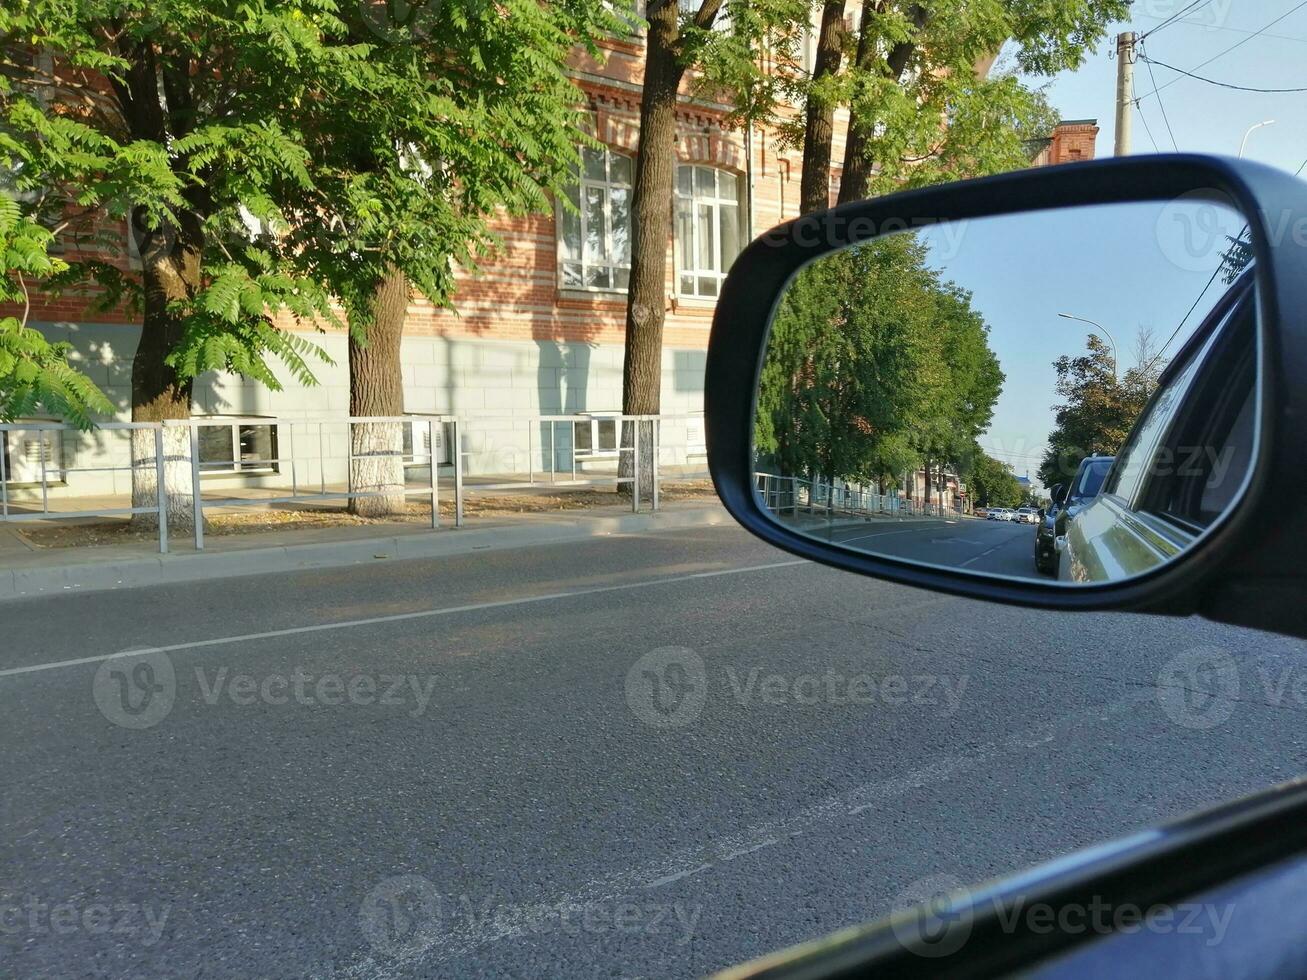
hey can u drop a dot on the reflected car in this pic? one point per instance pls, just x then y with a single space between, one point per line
1186 460
1076 496
1045 534
1027 515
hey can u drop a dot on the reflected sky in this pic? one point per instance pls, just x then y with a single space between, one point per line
1127 266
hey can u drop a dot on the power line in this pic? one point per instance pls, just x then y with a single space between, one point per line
1185 318
1175 17
1221 54
1213 81
1160 104
1242 30
1147 128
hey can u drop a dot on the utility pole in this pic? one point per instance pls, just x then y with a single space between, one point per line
1125 90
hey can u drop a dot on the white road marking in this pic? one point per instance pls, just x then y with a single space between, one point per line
884 534
459 937
402 617
676 876
749 850
989 552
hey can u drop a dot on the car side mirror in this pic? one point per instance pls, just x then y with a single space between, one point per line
1041 513
894 348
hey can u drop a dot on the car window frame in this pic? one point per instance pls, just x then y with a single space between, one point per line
1215 398
1192 355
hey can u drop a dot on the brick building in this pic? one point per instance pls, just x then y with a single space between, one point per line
539 330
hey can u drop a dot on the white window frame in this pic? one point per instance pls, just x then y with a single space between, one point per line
607 186
418 433
51 446
722 22
688 252
237 464
593 421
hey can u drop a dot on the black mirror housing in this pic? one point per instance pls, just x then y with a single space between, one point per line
1247 570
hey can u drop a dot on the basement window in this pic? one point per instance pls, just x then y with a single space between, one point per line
25 450
237 446
596 436
418 434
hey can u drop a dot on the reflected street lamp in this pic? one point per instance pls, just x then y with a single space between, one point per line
1243 144
1095 323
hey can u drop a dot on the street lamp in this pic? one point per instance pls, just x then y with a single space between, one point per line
1244 143
1094 323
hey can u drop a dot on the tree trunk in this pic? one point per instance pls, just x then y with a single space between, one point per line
170 271
655 166
814 187
855 182
376 388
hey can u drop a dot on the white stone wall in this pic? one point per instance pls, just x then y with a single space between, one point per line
494 387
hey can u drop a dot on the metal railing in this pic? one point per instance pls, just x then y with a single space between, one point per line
544 451
159 509
521 452
790 495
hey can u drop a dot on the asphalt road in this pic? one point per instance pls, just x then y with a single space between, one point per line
647 755
997 547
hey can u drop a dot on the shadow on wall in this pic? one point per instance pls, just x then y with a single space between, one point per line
562 380
688 367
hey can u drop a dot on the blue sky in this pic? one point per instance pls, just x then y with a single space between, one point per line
1129 267
1203 118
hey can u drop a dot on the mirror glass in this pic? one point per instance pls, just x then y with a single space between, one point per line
1065 395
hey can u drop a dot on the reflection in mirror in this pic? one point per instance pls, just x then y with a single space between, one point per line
1064 395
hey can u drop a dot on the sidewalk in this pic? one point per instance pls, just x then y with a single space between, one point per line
26 572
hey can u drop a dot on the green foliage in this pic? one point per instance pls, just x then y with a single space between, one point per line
994 485
873 364
933 120
34 374
275 158
1098 410
473 114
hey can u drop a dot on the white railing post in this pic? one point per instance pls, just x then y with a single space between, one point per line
322 462
656 433
160 489
197 498
290 439
4 479
458 472
435 470
45 485
635 485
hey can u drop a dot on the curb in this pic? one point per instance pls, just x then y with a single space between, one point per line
170 569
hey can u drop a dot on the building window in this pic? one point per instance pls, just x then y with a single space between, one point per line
707 228
595 436
595 233
418 433
30 453
237 447
690 8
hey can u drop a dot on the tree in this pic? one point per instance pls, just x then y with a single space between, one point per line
475 113
873 363
1098 410
914 77
181 118
961 404
726 60
34 373
994 485
921 113
277 159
